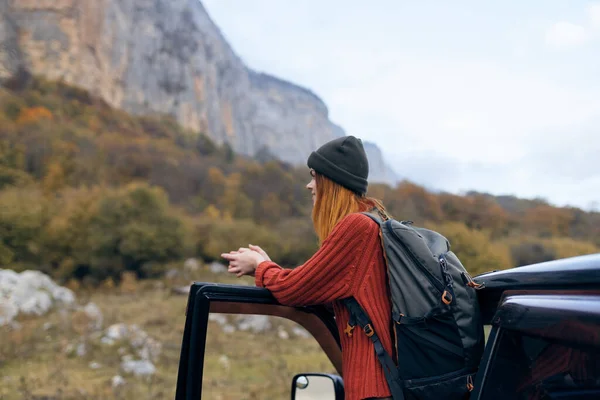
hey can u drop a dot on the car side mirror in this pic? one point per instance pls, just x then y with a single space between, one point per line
317 387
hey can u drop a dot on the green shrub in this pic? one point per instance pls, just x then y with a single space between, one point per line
106 231
14 177
23 213
531 252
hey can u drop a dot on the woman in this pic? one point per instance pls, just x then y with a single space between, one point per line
349 262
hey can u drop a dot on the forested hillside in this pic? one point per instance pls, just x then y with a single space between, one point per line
88 191
182 65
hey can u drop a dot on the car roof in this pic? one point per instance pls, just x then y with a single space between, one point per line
572 272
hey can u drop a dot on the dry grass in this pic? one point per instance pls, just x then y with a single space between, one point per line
34 363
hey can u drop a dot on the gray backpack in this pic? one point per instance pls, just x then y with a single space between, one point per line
437 328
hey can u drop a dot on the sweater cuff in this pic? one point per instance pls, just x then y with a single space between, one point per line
260 272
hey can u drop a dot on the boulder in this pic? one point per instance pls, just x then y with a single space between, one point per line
30 292
35 302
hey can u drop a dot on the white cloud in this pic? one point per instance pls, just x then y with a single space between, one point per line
565 34
594 14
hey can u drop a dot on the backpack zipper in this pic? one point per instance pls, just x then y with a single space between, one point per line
416 382
432 279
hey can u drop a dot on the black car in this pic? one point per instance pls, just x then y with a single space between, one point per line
544 341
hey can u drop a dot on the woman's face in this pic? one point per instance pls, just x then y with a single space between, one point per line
312 186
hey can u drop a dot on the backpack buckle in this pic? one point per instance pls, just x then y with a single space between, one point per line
369 330
399 320
475 285
348 330
446 297
470 385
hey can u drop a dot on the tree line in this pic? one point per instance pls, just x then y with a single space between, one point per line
88 191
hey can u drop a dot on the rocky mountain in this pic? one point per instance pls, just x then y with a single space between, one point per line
167 56
379 170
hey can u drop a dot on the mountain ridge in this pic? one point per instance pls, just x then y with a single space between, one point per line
159 56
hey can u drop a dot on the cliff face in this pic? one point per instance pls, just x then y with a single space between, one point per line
379 170
165 56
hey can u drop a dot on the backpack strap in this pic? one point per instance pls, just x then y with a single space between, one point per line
359 316
374 215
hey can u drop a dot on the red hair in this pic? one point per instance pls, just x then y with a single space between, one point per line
334 202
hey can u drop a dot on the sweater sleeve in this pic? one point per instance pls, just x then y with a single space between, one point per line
329 275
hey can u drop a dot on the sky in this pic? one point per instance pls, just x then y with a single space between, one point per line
499 97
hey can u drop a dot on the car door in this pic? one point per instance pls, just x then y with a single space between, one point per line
206 298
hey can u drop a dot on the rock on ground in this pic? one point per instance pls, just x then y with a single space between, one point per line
171 274
220 319
30 292
191 265
147 347
224 361
282 333
117 381
95 315
95 365
138 367
301 332
81 350
217 268
254 323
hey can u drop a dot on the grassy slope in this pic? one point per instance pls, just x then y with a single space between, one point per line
33 363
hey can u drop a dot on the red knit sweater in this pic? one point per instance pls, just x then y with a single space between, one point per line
349 263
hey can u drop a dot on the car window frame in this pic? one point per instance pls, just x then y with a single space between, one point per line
516 311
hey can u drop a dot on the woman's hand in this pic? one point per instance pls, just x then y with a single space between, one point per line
260 251
243 262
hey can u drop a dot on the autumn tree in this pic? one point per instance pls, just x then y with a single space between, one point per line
547 221
482 213
412 202
33 115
